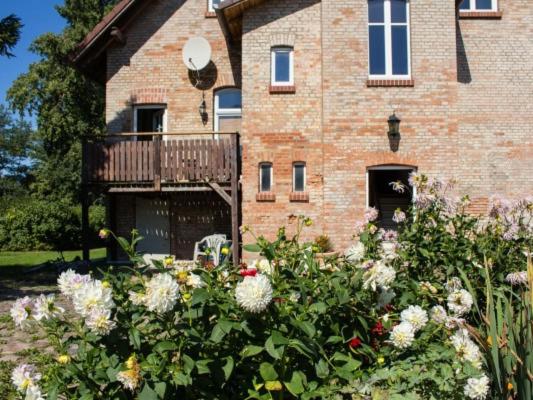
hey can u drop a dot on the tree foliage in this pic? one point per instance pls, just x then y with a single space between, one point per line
10 27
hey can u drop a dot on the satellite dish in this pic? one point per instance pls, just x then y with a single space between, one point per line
196 53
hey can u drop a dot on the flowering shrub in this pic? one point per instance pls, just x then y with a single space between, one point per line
392 318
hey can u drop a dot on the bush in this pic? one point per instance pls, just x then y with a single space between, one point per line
392 319
43 225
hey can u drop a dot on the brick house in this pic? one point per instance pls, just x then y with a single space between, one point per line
310 86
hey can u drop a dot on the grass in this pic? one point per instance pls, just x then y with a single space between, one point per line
28 259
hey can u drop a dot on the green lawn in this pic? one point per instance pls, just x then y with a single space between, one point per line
26 259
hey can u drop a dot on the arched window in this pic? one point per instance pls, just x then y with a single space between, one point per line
388 39
228 110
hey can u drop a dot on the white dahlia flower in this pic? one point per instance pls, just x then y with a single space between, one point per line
34 393
355 253
70 281
517 278
92 295
454 322
195 281
254 293
162 292
21 311
477 388
460 302
45 308
380 275
389 250
466 349
137 299
402 335
129 379
438 315
25 376
99 321
416 316
263 266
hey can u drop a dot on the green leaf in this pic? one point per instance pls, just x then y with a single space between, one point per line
160 389
322 369
217 334
296 385
308 328
135 338
278 338
147 393
228 367
252 248
267 371
199 296
203 367
334 339
271 349
161 347
251 350
188 363
319 308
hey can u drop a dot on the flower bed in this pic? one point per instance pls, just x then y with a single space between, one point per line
403 315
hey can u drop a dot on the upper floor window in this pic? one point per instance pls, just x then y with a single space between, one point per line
388 38
213 4
298 177
228 110
149 118
265 177
479 5
282 69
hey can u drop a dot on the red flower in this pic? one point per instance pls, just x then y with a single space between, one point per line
248 272
378 329
355 343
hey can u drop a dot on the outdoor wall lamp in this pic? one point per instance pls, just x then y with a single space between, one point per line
202 109
394 126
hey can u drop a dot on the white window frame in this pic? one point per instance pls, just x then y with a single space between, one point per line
150 107
388 24
261 176
294 165
473 7
387 168
225 112
210 7
273 52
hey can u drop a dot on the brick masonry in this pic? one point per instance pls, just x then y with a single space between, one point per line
467 112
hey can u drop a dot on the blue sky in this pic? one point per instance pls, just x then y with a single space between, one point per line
38 17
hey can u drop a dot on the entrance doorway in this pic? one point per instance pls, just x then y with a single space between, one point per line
383 197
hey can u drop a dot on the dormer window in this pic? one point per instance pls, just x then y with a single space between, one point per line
282 69
212 5
479 5
388 39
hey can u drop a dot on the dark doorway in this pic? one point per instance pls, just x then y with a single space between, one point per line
384 198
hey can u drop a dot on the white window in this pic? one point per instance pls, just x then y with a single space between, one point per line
388 39
150 118
298 177
479 5
228 110
266 177
213 4
282 68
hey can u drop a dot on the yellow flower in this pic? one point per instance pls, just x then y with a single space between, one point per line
168 261
381 360
308 222
131 363
106 284
187 296
63 359
182 276
224 251
510 386
104 233
273 386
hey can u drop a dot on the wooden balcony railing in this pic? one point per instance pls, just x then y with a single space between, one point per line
164 159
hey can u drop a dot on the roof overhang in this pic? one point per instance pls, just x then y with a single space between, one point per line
90 54
230 15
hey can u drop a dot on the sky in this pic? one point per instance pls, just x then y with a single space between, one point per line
38 17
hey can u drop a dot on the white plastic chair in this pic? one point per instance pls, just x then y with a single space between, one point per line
212 242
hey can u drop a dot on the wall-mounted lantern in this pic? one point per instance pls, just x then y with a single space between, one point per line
202 109
394 126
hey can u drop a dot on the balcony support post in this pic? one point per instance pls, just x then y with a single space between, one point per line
85 200
157 163
235 198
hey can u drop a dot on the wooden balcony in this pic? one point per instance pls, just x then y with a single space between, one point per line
164 162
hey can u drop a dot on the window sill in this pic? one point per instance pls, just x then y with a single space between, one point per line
480 14
299 197
282 89
390 83
210 14
265 197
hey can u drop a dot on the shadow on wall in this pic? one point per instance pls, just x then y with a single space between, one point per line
463 69
284 9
